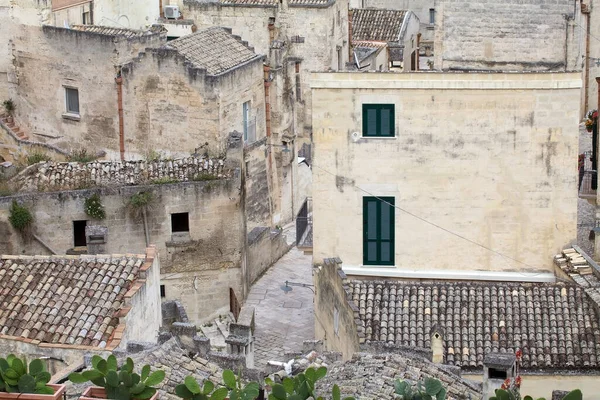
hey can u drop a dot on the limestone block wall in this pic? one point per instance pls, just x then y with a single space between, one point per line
486 156
144 318
265 247
336 316
258 181
49 59
530 35
173 107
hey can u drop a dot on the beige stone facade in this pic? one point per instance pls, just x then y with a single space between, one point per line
531 35
485 158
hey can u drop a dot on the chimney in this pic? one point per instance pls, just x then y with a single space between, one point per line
437 344
497 367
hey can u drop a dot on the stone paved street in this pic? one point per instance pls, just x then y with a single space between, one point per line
283 320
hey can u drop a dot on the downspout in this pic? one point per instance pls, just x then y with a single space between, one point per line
350 50
418 55
92 12
119 81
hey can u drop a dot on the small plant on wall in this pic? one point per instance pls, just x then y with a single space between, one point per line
20 217
94 208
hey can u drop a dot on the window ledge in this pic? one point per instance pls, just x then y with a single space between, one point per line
71 116
379 137
376 266
431 27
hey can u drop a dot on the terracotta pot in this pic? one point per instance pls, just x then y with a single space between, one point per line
97 392
59 390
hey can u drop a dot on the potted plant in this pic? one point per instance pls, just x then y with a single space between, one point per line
17 381
118 384
191 390
592 119
9 106
302 386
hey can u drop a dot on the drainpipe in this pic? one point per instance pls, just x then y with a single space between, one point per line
418 55
350 55
119 81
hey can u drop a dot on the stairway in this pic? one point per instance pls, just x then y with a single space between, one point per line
12 126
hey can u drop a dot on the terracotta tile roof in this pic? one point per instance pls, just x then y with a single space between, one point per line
214 49
120 32
555 325
372 376
64 300
376 25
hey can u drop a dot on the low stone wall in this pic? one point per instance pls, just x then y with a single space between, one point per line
265 247
51 176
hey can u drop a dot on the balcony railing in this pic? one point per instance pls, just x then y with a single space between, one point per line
304 225
589 185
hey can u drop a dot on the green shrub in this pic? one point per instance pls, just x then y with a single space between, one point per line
35 158
205 177
430 389
9 106
94 208
81 156
140 199
164 180
14 377
20 217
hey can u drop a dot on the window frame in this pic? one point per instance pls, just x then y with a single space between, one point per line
432 16
69 111
246 107
378 107
379 201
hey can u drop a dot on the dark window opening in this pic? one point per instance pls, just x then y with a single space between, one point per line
432 16
79 233
496 374
162 291
180 222
169 38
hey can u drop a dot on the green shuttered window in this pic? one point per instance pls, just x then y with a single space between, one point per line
378 230
378 120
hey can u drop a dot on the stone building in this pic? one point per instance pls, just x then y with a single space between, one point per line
178 98
426 15
395 30
530 35
442 160
63 307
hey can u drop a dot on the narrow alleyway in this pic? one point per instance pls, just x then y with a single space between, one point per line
585 211
283 319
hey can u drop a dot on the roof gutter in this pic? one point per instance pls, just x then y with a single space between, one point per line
457 275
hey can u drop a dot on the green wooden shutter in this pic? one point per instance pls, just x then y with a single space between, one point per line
378 230
378 120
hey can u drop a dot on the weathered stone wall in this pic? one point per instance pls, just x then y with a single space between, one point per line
529 35
200 112
265 247
191 262
331 296
51 176
487 156
144 318
258 182
49 59
15 150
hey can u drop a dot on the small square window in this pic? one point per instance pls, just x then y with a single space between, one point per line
162 291
72 97
378 120
180 222
86 18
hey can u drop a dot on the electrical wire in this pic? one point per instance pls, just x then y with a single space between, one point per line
439 227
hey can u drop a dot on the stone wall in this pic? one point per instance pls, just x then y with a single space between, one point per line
488 157
332 298
258 182
51 176
265 247
171 106
144 318
194 264
529 35
16 150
